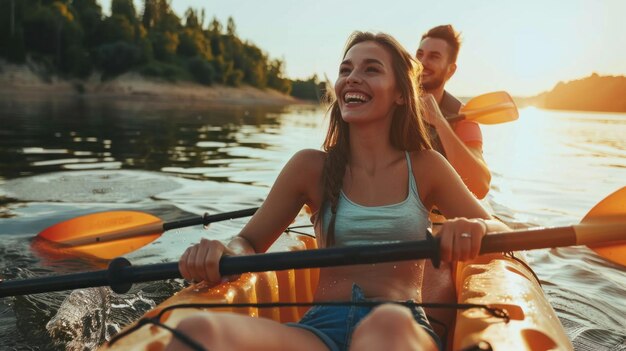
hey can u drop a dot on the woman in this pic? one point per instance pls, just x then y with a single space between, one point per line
375 182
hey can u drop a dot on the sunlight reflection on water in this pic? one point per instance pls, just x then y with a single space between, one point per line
556 163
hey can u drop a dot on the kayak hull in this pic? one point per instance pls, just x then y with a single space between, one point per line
495 280
505 282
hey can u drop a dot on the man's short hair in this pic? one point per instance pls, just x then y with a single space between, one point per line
446 33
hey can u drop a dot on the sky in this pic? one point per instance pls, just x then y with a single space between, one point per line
523 47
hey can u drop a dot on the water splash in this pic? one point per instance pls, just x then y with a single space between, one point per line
80 321
89 317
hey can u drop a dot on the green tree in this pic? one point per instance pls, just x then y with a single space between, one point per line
143 43
73 37
116 28
233 49
164 45
221 68
117 58
11 30
234 77
50 30
275 77
254 66
77 61
149 17
192 20
201 70
309 89
231 28
89 15
215 27
166 19
124 8
40 28
254 74
192 42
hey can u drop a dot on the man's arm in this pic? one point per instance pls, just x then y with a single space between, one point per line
465 158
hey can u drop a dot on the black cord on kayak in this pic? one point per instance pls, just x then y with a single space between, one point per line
511 255
291 230
184 338
300 226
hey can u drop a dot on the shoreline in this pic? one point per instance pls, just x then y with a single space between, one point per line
24 81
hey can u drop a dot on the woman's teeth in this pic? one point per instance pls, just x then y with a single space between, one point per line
352 98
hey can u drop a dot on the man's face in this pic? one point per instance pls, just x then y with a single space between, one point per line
434 54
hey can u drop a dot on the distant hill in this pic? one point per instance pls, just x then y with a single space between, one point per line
593 93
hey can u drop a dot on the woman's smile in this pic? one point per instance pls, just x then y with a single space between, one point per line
355 98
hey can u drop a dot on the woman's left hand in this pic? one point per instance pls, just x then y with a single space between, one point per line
461 238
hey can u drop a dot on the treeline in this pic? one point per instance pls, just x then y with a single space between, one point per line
593 93
74 39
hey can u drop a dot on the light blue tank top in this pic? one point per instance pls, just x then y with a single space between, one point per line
358 225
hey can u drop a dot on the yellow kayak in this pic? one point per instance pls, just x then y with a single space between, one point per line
497 280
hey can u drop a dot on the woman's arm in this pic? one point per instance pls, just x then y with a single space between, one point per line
465 158
468 221
297 184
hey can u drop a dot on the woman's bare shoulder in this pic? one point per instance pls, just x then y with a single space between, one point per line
311 154
305 170
308 163
309 158
428 157
430 170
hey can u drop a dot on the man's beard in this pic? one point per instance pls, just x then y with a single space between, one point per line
433 84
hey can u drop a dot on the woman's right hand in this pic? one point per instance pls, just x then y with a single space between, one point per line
201 262
461 238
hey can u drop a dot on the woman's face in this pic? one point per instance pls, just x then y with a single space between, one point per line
366 87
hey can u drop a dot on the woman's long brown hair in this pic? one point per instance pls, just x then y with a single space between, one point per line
407 132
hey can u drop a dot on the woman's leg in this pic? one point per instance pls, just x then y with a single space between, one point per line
391 327
229 331
438 286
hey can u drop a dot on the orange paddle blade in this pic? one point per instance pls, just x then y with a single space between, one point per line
491 108
53 252
103 235
610 210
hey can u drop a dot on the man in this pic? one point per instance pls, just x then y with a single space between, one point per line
461 142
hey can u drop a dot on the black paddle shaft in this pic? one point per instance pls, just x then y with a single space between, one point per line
121 275
208 219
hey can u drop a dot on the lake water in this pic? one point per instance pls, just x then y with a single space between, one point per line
60 158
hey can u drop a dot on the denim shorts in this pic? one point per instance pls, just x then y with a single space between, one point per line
334 325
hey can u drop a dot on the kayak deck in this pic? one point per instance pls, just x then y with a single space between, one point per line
505 282
495 280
